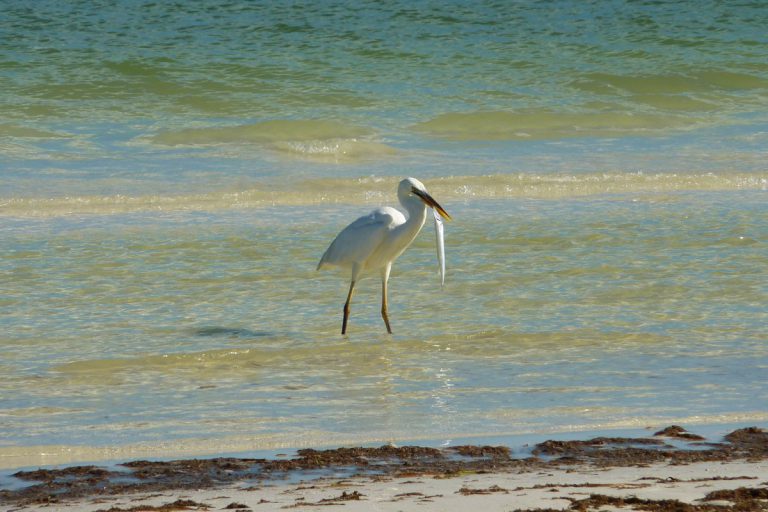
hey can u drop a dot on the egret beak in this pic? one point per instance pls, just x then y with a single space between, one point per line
430 201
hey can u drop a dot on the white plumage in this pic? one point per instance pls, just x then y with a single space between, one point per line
373 242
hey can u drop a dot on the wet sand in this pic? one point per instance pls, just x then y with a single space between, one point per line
672 470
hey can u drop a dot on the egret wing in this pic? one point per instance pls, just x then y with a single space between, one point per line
359 240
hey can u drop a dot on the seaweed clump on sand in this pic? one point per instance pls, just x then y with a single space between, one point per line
742 500
57 485
678 432
746 443
751 442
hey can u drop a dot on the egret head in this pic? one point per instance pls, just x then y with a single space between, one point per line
410 187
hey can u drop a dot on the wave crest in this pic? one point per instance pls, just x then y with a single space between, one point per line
336 149
275 131
378 190
546 125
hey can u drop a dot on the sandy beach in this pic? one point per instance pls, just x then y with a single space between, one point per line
703 486
673 470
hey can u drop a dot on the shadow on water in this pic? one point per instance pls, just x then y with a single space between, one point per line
230 332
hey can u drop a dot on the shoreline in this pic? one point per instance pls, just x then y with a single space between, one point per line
16 458
672 464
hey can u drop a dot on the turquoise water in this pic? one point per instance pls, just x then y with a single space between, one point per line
171 175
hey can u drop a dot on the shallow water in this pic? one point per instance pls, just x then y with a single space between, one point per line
171 176
557 315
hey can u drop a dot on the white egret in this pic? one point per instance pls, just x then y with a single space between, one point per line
374 241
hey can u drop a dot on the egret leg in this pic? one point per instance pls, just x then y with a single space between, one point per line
384 314
346 308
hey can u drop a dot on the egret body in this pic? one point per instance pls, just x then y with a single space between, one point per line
373 242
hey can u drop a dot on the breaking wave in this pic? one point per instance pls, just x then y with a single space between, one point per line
378 190
264 132
548 125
